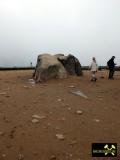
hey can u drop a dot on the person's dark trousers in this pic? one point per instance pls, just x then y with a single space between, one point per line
111 73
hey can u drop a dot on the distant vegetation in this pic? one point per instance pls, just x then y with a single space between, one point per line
117 68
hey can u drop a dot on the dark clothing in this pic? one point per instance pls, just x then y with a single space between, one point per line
111 73
111 66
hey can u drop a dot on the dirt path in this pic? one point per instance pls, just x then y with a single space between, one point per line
58 112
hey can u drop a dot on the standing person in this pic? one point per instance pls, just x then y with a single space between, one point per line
111 66
94 69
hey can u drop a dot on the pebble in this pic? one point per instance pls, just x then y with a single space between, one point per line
53 157
60 136
79 112
97 120
38 117
3 93
3 155
59 100
35 121
26 87
69 108
71 86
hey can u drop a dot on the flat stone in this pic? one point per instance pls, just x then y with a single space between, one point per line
79 112
79 93
27 87
35 121
71 86
59 100
38 117
97 120
3 93
60 136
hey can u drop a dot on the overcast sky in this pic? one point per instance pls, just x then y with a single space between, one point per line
84 28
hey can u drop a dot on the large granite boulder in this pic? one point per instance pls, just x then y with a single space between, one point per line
48 67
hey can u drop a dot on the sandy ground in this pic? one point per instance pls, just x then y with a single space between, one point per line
57 108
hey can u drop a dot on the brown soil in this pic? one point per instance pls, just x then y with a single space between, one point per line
19 100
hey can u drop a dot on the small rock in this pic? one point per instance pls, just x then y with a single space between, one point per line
35 121
59 100
53 157
38 117
26 87
69 108
60 136
35 116
20 157
3 93
31 81
71 86
3 155
79 93
79 112
97 120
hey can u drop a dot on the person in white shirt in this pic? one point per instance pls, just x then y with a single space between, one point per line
94 69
